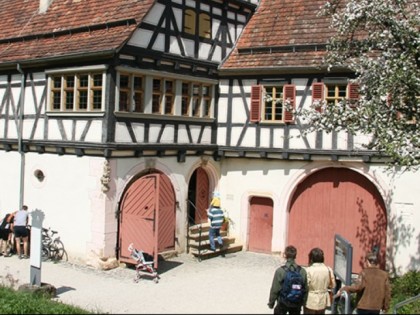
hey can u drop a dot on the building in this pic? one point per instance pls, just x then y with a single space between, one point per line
134 112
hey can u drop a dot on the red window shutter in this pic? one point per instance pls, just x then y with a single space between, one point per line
353 94
289 93
256 100
317 93
353 91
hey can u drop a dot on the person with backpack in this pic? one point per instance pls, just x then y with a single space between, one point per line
289 288
5 229
373 288
320 279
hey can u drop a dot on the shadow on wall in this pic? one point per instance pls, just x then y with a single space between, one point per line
402 235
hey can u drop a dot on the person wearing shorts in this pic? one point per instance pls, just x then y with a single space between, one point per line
21 232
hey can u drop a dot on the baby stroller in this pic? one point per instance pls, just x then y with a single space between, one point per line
142 265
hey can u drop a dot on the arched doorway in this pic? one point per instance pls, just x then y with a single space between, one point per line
147 217
337 201
198 197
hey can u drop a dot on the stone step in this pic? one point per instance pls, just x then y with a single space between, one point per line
204 254
205 243
204 235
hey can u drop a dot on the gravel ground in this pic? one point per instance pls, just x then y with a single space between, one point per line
236 284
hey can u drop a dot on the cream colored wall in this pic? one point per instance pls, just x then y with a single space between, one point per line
278 179
74 204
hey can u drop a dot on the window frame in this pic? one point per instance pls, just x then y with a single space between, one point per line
66 92
259 101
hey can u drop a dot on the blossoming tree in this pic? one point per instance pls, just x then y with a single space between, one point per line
379 41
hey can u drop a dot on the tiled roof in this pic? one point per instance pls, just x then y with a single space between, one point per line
282 34
68 27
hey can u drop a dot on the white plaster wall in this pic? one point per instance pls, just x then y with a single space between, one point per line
74 204
70 196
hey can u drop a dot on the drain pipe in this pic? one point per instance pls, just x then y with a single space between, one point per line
20 135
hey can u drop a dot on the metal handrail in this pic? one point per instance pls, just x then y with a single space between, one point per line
405 302
199 225
347 307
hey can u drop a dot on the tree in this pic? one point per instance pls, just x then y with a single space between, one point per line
379 41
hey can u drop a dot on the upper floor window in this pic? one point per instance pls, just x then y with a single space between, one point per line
143 93
131 93
82 92
185 99
332 93
273 103
204 23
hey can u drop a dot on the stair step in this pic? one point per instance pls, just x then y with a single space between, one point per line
205 243
204 235
208 253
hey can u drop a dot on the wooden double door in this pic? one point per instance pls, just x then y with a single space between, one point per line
147 217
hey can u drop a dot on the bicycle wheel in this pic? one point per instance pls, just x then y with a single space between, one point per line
45 254
59 251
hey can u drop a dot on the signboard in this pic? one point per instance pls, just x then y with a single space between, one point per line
343 257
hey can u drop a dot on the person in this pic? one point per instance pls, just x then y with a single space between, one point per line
21 232
216 218
320 279
290 253
5 228
374 287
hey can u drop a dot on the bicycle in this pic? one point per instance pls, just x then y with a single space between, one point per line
52 246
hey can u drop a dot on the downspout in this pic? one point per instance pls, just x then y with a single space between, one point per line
20 135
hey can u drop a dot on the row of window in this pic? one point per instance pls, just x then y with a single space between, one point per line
275 103
85 93
195 101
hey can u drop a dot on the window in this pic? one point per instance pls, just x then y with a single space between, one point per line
201 100
131 93
204 23
169 97
333 93
157 96
189 22
165 96
81 92
204 26
273 103
185 100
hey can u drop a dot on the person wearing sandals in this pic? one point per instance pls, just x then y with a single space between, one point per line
320 280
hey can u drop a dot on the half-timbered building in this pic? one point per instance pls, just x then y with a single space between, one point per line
119 119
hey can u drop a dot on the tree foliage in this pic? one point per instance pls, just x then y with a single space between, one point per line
379 41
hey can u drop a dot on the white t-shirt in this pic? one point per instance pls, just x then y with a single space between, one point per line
21 218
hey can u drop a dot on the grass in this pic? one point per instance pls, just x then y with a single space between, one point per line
14 301
18 302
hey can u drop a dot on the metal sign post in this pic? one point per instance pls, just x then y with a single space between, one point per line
343 259
36 245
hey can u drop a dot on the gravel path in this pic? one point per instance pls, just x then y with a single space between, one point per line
236 284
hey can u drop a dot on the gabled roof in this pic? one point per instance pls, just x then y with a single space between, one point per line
68 28
282 34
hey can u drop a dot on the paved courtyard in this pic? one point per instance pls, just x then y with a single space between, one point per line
236 284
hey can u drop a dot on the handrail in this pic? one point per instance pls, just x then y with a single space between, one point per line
199 225
405 302
347 307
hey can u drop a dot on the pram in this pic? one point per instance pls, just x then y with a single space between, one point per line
142 265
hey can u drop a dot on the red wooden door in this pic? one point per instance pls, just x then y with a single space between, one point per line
260 225
202 196
147 217
337 201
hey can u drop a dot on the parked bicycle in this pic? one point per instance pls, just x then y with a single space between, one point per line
52 246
